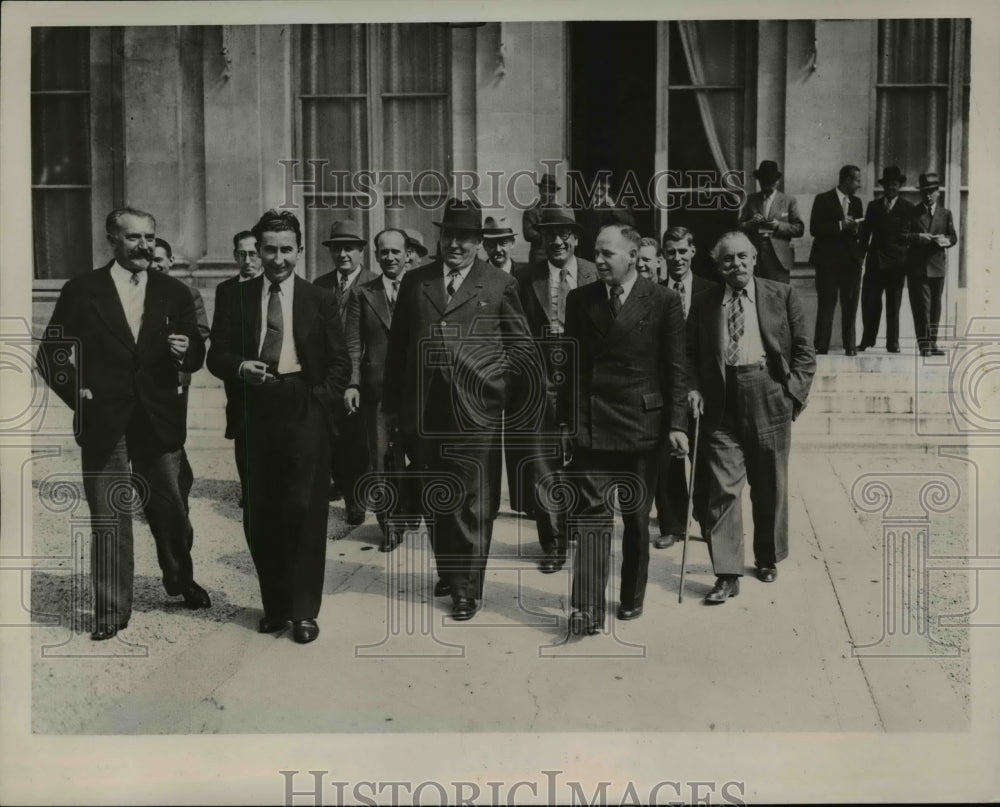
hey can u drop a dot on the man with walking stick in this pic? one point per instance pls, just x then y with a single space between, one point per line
750 367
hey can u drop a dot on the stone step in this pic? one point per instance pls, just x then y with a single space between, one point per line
853 426
894 403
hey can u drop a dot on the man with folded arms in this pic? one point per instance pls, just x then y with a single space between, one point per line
750 366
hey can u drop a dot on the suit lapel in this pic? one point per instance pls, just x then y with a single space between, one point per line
635 308
433 286
249 295
598 309
375 295
303 316
110 308
768 315
717 314
540 285
586 272
154 310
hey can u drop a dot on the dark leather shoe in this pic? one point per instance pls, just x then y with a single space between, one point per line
442 588
196 597
586 622
335 492
355 515
626 614
821 352
270 624
893 348
767 574
104 632
851 352
667 541
551 563
304 630
726 586
935 351
463 608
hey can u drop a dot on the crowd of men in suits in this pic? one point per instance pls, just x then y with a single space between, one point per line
587 373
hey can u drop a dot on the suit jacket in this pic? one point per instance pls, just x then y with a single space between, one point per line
183 377
791 360
121 373
368 322
882 234
462 343
699 285
234 386
788 225
529 228
330 281
627 387
533 289
929 260
316 329
833 247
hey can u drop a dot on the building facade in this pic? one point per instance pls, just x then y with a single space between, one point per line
206 126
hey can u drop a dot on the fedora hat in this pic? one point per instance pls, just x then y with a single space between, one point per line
345 231
462 214
767 171
415 241
892 174
548 180
498 228
929 181
559 216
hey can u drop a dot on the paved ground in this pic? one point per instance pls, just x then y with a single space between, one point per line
784 657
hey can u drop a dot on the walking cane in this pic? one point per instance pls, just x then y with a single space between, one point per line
690 510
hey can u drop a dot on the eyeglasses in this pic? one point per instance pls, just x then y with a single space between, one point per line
245 255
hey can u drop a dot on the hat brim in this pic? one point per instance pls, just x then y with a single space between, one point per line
344 240
421 251
551 225
465 228
765 177
511 234
934 187
900 179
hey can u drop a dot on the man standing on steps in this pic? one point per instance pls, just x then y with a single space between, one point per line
882 234
135 330
750 366
834 224
248 262
929 233
348 447
281 339
672 484
543 287
771 219
163 260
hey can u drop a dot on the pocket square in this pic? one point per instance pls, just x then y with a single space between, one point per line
482 304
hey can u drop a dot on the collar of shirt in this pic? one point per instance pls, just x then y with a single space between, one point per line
845 200
287 286
464 273
123 276
686 280
890 203
750 288
626 287
387 283
570 267
350 277
508 267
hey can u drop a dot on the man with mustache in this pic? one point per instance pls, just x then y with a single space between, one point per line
750 367
348 446
135 330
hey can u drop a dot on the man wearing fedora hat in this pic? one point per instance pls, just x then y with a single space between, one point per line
547 190
836 256
929 233
543 287
771 219
498 241
348 446
416 251
881 234
458 338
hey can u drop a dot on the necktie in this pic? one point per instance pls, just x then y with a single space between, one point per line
561 291
392 296
343 282
616 299
847 206
453 282
767 205
270 353
735 322
134 306
679 288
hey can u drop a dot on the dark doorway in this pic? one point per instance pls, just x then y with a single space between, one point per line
612 121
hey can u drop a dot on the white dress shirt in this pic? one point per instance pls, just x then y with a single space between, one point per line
289 360
458 280
751 347
132 295
387 285
626 287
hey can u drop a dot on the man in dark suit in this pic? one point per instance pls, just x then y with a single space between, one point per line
771 219
548 187
881 234
136 329
163 260
543 287
280 337
929 233
629 395
458 338
836 256
750 367
671 484
600 209
348 446
369 317
248 263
